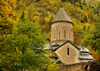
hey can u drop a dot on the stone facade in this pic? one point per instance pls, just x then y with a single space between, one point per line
68 54
62 40
61 32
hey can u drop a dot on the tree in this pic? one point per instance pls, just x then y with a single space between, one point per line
22 48
92 38
53 67
7 19
74 1
98 8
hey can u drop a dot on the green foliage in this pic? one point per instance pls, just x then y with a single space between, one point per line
74 1
43 11
53 67
93 38
22 43
22 48
98 9
71 1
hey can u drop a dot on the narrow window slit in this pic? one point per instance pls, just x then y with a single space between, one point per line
54 34
59 34
67 51
64 33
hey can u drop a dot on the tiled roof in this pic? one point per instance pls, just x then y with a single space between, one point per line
48 47
61 16
83 50
84 57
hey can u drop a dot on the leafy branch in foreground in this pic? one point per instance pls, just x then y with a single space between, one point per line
22 48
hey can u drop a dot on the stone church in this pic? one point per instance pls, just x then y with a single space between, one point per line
62 41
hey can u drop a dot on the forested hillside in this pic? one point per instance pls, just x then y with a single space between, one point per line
85 17
43 11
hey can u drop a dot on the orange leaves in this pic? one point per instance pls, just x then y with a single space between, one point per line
94 54
97 57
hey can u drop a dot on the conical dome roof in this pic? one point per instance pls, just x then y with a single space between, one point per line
61 16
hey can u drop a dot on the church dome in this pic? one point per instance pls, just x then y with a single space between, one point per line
62 16
61 28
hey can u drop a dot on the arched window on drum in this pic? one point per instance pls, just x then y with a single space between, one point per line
65 33
59 34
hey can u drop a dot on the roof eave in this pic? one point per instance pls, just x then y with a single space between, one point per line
86 59
84 52
65 43
62 21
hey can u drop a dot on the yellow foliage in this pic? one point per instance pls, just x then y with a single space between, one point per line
35 18
53 67
7 18
3 69
17 50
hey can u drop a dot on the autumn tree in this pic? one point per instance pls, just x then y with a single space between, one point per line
24 48
98 9
7 19
92 38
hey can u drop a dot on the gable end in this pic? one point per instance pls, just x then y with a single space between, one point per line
65 43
